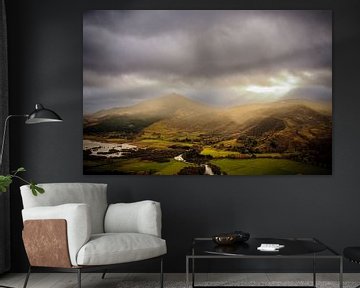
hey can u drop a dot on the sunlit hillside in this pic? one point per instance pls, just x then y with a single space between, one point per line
173 125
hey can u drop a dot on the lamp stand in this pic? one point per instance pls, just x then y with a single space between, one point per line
4 135
2 153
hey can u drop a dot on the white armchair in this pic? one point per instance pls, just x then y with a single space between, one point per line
72 228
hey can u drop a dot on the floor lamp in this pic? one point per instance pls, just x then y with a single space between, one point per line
39 115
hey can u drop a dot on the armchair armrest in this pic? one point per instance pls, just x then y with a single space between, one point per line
52 250
138 217
77 217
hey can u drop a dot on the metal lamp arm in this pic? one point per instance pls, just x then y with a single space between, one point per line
4 134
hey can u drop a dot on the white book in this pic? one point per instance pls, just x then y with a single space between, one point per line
270 247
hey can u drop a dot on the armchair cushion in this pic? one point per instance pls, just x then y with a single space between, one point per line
113 248
138 217
92 194
78 221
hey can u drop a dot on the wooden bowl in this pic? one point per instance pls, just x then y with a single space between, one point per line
225 239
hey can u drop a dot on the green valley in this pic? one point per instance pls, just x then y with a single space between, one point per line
173 135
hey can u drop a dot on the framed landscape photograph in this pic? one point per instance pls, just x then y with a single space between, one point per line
207 92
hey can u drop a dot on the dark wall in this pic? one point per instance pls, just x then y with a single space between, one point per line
45 50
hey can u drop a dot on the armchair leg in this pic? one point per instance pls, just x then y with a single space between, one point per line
27 277
79 277
103 275
161 273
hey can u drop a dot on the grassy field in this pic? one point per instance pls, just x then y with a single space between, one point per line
267 167
218 153
230 166
161 131
229 162
134 166
159 144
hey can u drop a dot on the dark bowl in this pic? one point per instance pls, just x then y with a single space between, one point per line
241 236
225 239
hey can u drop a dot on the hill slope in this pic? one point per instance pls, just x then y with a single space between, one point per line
282 126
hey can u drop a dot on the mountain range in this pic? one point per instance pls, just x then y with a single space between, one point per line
291 123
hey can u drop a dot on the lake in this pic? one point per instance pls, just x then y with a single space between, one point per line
106 149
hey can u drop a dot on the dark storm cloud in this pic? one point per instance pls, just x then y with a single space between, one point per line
183 48
210 42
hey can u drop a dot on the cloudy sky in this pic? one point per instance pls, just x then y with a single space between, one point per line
223 58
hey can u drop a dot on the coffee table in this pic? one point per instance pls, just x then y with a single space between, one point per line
294 248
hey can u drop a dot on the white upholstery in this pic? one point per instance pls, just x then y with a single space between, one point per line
139 217
112 248
62 193
77 217
132 230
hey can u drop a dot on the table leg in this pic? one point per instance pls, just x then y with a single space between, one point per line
193 272
341 273
314 271
193 267
187 272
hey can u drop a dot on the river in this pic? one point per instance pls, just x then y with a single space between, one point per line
208 170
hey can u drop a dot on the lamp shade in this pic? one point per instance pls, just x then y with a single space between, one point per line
42 115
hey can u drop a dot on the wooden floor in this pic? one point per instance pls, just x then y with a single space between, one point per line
113 280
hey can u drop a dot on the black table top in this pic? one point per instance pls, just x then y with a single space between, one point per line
292 247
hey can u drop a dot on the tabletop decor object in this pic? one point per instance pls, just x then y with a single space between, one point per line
231 238
241 236
225 239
